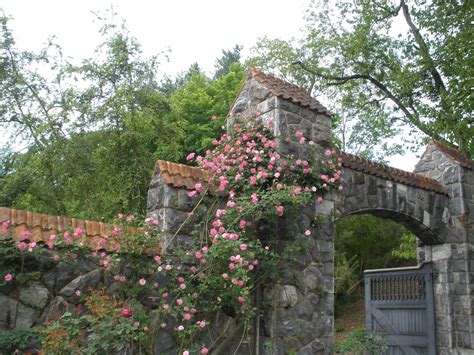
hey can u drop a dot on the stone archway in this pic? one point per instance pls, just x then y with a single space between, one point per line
434 202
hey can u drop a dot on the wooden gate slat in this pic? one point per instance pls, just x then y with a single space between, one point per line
391 329
400 301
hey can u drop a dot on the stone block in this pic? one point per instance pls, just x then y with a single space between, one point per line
171 219
453 174
287 296
441 252
82 283
303 330
292 118
59 277
15 315
286 105
267 105
458 206
35 294
320 134
312 278
164 343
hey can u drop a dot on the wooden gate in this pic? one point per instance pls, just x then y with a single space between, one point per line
399 304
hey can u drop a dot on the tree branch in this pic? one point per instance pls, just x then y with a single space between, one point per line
423 49
340 80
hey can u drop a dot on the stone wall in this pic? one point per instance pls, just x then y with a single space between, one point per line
421 211
49 292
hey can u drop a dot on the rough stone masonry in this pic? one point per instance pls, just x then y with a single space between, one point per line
434 203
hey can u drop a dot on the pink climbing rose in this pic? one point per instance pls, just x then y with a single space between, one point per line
279 210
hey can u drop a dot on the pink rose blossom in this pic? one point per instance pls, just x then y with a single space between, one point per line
142 282
297 191
204 351
126 312
190 156
26 234
307 232
78 232
187 316
136 324
243 246
241 299
6 224
242 224
202 324
279 210
22 245
181 328
8 277
78 293
254 198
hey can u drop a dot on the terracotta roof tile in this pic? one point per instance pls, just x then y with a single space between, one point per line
179 175
456 155
387 172
41 226
285 90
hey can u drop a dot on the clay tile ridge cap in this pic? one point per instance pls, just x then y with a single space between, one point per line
387 172
41 226
288 91
180 175
455 154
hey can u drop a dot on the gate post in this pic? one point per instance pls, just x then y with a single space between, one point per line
453 262
300 316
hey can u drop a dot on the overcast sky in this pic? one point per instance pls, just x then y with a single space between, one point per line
194 30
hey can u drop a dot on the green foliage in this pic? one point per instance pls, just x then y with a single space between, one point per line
370 239
387 65
407 248
229 58
358 342
17 339
201 105
231 258
366 242
90 148
347 273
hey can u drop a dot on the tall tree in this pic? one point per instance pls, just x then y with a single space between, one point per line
224 63
392 63
116 126
202 104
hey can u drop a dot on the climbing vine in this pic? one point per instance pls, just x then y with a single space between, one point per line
249 186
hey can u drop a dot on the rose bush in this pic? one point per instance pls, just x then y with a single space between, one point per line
250 185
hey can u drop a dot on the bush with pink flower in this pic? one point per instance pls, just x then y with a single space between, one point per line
254 186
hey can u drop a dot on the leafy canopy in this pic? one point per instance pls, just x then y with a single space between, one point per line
387 65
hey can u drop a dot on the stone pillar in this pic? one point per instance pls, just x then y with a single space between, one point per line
454 260
171 205
300 318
